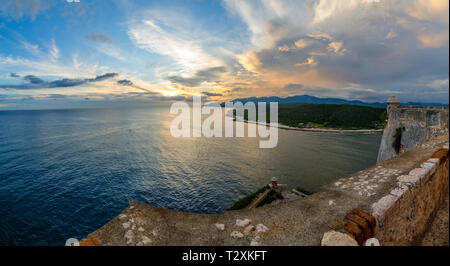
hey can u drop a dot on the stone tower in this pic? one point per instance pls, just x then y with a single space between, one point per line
392 103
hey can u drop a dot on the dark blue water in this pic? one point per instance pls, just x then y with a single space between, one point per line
65 173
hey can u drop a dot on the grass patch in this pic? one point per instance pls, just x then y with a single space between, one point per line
245 201
270 197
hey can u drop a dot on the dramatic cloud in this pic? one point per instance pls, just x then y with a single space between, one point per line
38 83
440 85
102 77
33 79
205 75
250 61
186 53
337 47
269 20
293 87
211 94
129 83
299 44
310 61
358 47
236 89
125 82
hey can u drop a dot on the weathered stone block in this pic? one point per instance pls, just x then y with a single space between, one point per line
431 167
220 227
433 160
243 223
334 238
408 180
380 208
421 174
399 191
260 228
236 234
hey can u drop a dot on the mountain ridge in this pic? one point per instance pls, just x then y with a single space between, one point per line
317 100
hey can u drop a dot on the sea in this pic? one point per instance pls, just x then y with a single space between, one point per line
65 173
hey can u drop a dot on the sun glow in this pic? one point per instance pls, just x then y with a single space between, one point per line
168 93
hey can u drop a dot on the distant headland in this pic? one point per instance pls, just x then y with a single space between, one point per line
317 100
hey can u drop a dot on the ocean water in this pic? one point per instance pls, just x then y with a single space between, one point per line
65 173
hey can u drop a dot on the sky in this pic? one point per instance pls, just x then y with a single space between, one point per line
61 53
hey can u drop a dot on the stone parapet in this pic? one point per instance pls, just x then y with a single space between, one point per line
404 214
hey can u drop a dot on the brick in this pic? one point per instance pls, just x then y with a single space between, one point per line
361 223
90 242
354 230
441 154
369 218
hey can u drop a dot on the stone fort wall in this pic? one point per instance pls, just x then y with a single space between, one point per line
409 127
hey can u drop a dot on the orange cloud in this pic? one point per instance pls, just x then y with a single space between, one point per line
310 61
429 10
250 61
337 47
433 40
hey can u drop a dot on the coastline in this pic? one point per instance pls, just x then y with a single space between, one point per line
355 131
